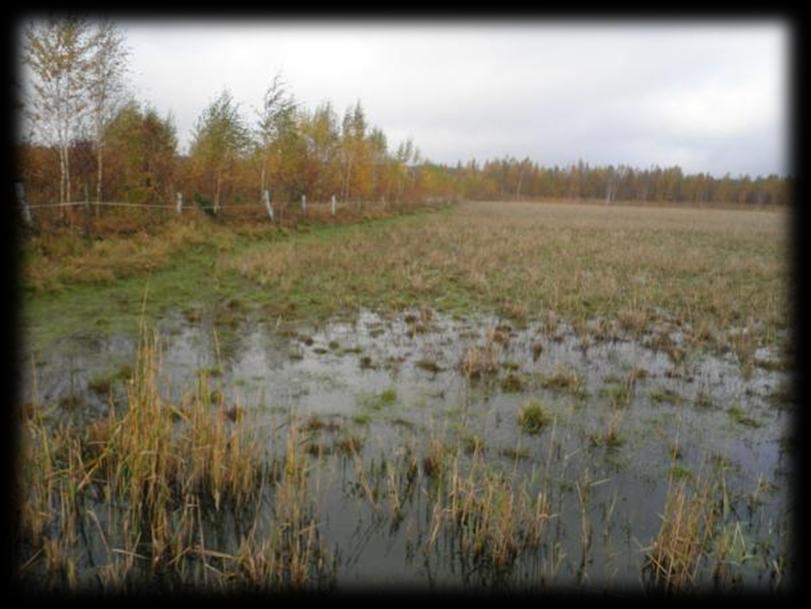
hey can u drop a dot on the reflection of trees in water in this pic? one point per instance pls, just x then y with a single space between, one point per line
228 329
275 343
228 345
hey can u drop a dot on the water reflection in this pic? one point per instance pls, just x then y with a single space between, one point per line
395 383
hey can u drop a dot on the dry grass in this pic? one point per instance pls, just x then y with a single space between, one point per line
704 268
721 276
291 556
162 468
156 472
492 516
564 378
688 525
124 243
481 361
52 261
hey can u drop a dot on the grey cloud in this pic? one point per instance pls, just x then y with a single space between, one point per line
711 96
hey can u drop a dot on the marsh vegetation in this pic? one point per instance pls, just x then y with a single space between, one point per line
517 396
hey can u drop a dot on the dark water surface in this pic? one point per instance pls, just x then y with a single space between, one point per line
395 383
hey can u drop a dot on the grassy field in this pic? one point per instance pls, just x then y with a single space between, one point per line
509 392
721 276
708 270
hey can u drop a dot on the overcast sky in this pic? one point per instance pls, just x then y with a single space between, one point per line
706 96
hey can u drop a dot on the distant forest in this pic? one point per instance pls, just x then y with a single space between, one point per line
86 136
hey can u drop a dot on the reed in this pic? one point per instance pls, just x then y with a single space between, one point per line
153 469
490 515
690 515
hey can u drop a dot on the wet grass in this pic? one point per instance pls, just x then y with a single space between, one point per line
371 403
783 395
688 524
567 380
429 365
524 260
175 472
474 444
532 417
513 382
610 436
153 467
164 468
738 415
349 445
482 361
146 483
101 384
665 395
71 287
703 400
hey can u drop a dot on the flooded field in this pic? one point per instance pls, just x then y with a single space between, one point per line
266 345
421 449
511 395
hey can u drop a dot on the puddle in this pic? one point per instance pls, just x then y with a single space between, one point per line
395 384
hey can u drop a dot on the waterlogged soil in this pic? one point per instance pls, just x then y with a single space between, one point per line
394 384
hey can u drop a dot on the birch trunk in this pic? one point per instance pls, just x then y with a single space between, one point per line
99 178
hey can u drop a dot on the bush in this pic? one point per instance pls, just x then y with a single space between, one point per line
204 203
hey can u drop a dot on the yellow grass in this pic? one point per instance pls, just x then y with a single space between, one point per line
709 270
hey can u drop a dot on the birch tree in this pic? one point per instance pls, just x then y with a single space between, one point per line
219 139
56 51
378 149
353 151
405 154
107 66
275 119
322 139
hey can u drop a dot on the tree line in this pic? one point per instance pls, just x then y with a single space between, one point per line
510 178
89 134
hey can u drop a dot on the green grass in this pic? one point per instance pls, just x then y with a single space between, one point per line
429 365
215 371
532 417
739 416
192 274
378 401
619 395
665 395
704 268
679 472
362 419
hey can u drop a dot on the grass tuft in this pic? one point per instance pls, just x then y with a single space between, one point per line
532 417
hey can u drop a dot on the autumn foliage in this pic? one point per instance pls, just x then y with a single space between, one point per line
284 148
